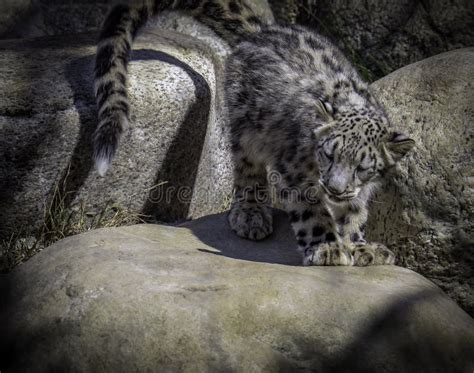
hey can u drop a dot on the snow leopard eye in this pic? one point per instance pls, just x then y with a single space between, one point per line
329 156
361 168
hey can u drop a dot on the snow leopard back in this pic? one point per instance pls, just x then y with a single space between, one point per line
279 79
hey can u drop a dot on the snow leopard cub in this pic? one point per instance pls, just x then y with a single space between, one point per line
298 110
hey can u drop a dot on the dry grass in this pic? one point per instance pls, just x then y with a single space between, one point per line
226 203
17 249
60 221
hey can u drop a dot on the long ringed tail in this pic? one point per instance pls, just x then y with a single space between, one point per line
230 19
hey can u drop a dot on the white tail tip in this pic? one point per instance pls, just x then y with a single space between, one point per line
102 165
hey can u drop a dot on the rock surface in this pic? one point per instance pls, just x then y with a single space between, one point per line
198 298
386 35
426 213
48 112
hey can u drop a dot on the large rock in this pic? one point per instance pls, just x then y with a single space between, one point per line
198 298
381 35
177 139
426 213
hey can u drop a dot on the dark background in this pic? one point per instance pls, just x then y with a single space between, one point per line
379 36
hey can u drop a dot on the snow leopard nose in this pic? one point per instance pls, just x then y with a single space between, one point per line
337 184
338 181
335 189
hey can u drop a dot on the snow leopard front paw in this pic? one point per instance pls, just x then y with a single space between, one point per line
252 222
372 254
328 254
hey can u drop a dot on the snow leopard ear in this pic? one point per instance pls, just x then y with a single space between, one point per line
397 146
325 109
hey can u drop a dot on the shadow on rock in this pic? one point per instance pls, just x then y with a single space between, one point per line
172 200
278 248
394 332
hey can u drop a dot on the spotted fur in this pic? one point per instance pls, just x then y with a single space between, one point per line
302 122
301 112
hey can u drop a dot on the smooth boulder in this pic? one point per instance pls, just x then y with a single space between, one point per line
425 213
172 164
198 298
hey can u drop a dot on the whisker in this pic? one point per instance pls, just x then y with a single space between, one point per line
374 201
